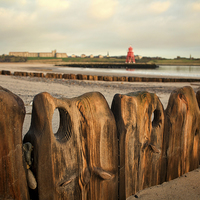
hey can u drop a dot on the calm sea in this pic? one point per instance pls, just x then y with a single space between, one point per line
174 71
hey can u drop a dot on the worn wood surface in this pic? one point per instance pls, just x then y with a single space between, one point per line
181 141
140 122
198 101
13 182
80 161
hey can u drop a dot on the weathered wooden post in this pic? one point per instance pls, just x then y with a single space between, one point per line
13 181
140 123
181 137
80 160
198 101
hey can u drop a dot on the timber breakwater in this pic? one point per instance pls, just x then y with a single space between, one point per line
111 65
97 78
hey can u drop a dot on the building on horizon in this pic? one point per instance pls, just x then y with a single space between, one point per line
83 56
108 55
73 56
53 54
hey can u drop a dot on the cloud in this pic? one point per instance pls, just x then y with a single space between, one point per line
98 26
20 2
159 7
23 2
196 6
16 24
53 5
102 9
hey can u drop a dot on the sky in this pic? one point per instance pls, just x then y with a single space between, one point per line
164 28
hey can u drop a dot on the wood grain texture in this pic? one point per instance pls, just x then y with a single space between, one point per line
198 101
80 160
182 123
13 182
140 122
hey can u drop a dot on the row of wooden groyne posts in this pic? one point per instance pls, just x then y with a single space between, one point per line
98 78
98 152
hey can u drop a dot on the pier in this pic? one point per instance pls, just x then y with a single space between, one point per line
111 65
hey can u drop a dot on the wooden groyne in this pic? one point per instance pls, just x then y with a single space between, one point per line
98 152
111 65
99 78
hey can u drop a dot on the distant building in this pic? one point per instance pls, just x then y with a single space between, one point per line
73 56
91 56
107 55
47 54
22 54
138 57
83 56
100 56
61 55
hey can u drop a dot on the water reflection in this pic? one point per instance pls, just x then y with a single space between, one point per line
178 71
179 68
186 71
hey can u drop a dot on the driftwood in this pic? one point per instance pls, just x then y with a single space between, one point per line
80 161
140 122
181 136
13 181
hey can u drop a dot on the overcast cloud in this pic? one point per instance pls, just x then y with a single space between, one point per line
166 28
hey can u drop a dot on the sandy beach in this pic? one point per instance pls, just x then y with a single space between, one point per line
185 187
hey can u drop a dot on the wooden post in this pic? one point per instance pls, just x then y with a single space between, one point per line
182 123
140 122
80 160
198 101
13 181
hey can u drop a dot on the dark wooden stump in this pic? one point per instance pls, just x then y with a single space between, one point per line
108 78
95 78
115 78
122 78
66 76
6 72
90 77
131 79
100 78
73 76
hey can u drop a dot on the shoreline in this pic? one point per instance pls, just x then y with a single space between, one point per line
59 62
51 68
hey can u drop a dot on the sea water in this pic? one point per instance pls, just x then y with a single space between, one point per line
174 71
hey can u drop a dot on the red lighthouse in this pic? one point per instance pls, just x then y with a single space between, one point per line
130 56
